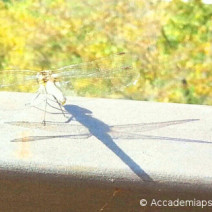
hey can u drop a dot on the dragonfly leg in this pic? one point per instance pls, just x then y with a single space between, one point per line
60 107
33 99
44 118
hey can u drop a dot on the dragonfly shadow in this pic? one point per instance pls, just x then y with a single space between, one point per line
101 131
91 126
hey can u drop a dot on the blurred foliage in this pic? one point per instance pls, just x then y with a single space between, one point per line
169 44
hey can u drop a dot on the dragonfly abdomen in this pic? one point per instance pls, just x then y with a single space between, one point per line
53 90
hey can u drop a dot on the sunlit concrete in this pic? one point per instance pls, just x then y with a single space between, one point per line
141 147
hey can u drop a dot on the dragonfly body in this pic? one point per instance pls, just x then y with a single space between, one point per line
49 84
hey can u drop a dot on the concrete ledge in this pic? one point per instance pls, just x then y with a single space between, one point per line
104 155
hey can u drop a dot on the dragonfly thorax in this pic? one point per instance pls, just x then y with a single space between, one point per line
49 82
44 76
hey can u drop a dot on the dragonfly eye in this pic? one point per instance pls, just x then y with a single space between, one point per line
41 77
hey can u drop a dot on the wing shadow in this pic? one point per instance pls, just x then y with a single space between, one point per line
105 133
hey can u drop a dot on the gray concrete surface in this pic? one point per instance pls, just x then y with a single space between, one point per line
102 146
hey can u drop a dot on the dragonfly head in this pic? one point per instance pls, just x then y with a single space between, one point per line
43 76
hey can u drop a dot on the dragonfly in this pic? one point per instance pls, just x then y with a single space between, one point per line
116 70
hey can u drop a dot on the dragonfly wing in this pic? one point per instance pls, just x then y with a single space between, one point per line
18 80
103 74
99 68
